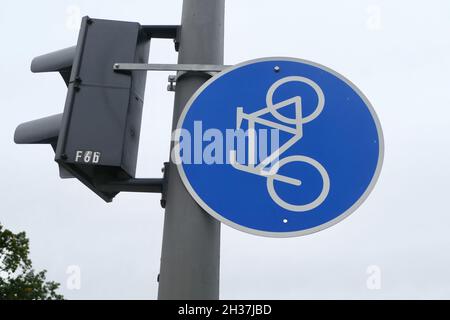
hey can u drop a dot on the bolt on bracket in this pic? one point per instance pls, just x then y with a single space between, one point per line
172 82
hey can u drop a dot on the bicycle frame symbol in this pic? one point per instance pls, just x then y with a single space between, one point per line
297 131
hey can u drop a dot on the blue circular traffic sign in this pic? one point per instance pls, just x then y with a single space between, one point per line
279 147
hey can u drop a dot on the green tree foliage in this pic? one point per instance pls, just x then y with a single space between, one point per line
18 280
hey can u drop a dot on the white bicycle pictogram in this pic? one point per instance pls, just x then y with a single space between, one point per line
272 174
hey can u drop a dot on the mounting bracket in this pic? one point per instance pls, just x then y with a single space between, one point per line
150 185
168 67
164 32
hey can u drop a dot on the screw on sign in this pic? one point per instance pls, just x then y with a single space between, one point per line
325 162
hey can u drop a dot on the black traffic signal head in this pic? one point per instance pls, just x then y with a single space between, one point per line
96 137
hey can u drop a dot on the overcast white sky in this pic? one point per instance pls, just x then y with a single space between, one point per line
397 52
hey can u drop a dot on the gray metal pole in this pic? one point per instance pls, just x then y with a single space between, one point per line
190 257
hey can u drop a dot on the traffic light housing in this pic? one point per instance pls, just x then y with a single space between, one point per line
96 138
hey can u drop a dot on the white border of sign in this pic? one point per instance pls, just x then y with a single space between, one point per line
292 233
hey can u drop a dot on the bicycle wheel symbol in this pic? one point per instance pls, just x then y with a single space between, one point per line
305 207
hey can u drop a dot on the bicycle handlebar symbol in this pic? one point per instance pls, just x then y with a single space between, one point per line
297 131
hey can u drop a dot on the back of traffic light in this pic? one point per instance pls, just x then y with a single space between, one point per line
96 138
